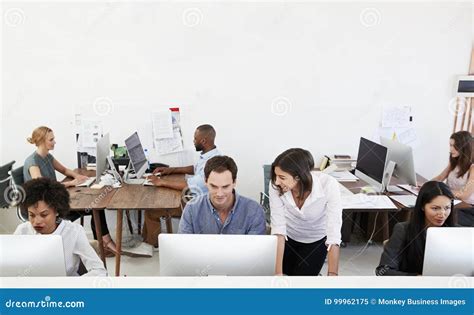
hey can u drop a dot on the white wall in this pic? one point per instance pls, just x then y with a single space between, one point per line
336 64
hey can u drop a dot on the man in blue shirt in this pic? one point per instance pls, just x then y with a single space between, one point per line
204 138
222 210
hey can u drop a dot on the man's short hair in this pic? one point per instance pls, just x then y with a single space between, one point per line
220 164
208 131
54 194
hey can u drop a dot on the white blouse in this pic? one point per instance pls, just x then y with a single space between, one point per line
320 215
458 183
76 248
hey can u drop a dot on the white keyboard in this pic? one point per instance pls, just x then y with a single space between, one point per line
147 183
135 181
87 183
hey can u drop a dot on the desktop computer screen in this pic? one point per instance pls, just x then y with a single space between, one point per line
217 255
32 256
136 154
371 163
103 151
402 155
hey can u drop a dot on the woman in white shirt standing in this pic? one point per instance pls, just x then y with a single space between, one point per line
306 215
459 174
47 202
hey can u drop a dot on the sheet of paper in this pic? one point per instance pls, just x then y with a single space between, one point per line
172 145
91 131
344 176
162 124
363 201
396 117
410 188
406 200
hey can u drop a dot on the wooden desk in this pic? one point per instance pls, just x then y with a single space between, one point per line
87 199
355 187
139 197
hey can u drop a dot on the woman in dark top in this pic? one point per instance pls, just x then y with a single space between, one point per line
404 252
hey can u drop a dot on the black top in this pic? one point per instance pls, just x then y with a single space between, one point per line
394 260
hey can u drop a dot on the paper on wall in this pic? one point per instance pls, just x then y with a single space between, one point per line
396 117
162 124
171 145
91 131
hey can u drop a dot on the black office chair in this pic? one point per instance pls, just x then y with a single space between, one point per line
5 180
19 180
264 198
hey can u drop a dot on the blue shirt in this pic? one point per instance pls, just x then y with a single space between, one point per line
200 217
196 183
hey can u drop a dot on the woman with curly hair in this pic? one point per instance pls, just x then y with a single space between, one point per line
47 203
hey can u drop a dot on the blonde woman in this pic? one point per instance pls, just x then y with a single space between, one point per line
42 163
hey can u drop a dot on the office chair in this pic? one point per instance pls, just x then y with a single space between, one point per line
264 198
19 180
5 179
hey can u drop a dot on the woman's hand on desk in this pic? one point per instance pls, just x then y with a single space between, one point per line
72 183
81 178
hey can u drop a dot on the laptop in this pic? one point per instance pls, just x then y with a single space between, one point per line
449 251
217 255
32 256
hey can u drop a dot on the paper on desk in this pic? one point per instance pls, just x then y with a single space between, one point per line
344 176
410 188
410 200
162 124
363 201
406 200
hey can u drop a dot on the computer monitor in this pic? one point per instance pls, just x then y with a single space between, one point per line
103 151
402 155
449 251
225 255
137 155
32 256
371 163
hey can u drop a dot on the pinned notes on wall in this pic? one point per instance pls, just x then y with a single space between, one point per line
167 134
397 123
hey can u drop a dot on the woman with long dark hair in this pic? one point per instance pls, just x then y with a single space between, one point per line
306 215
459 174
404 252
